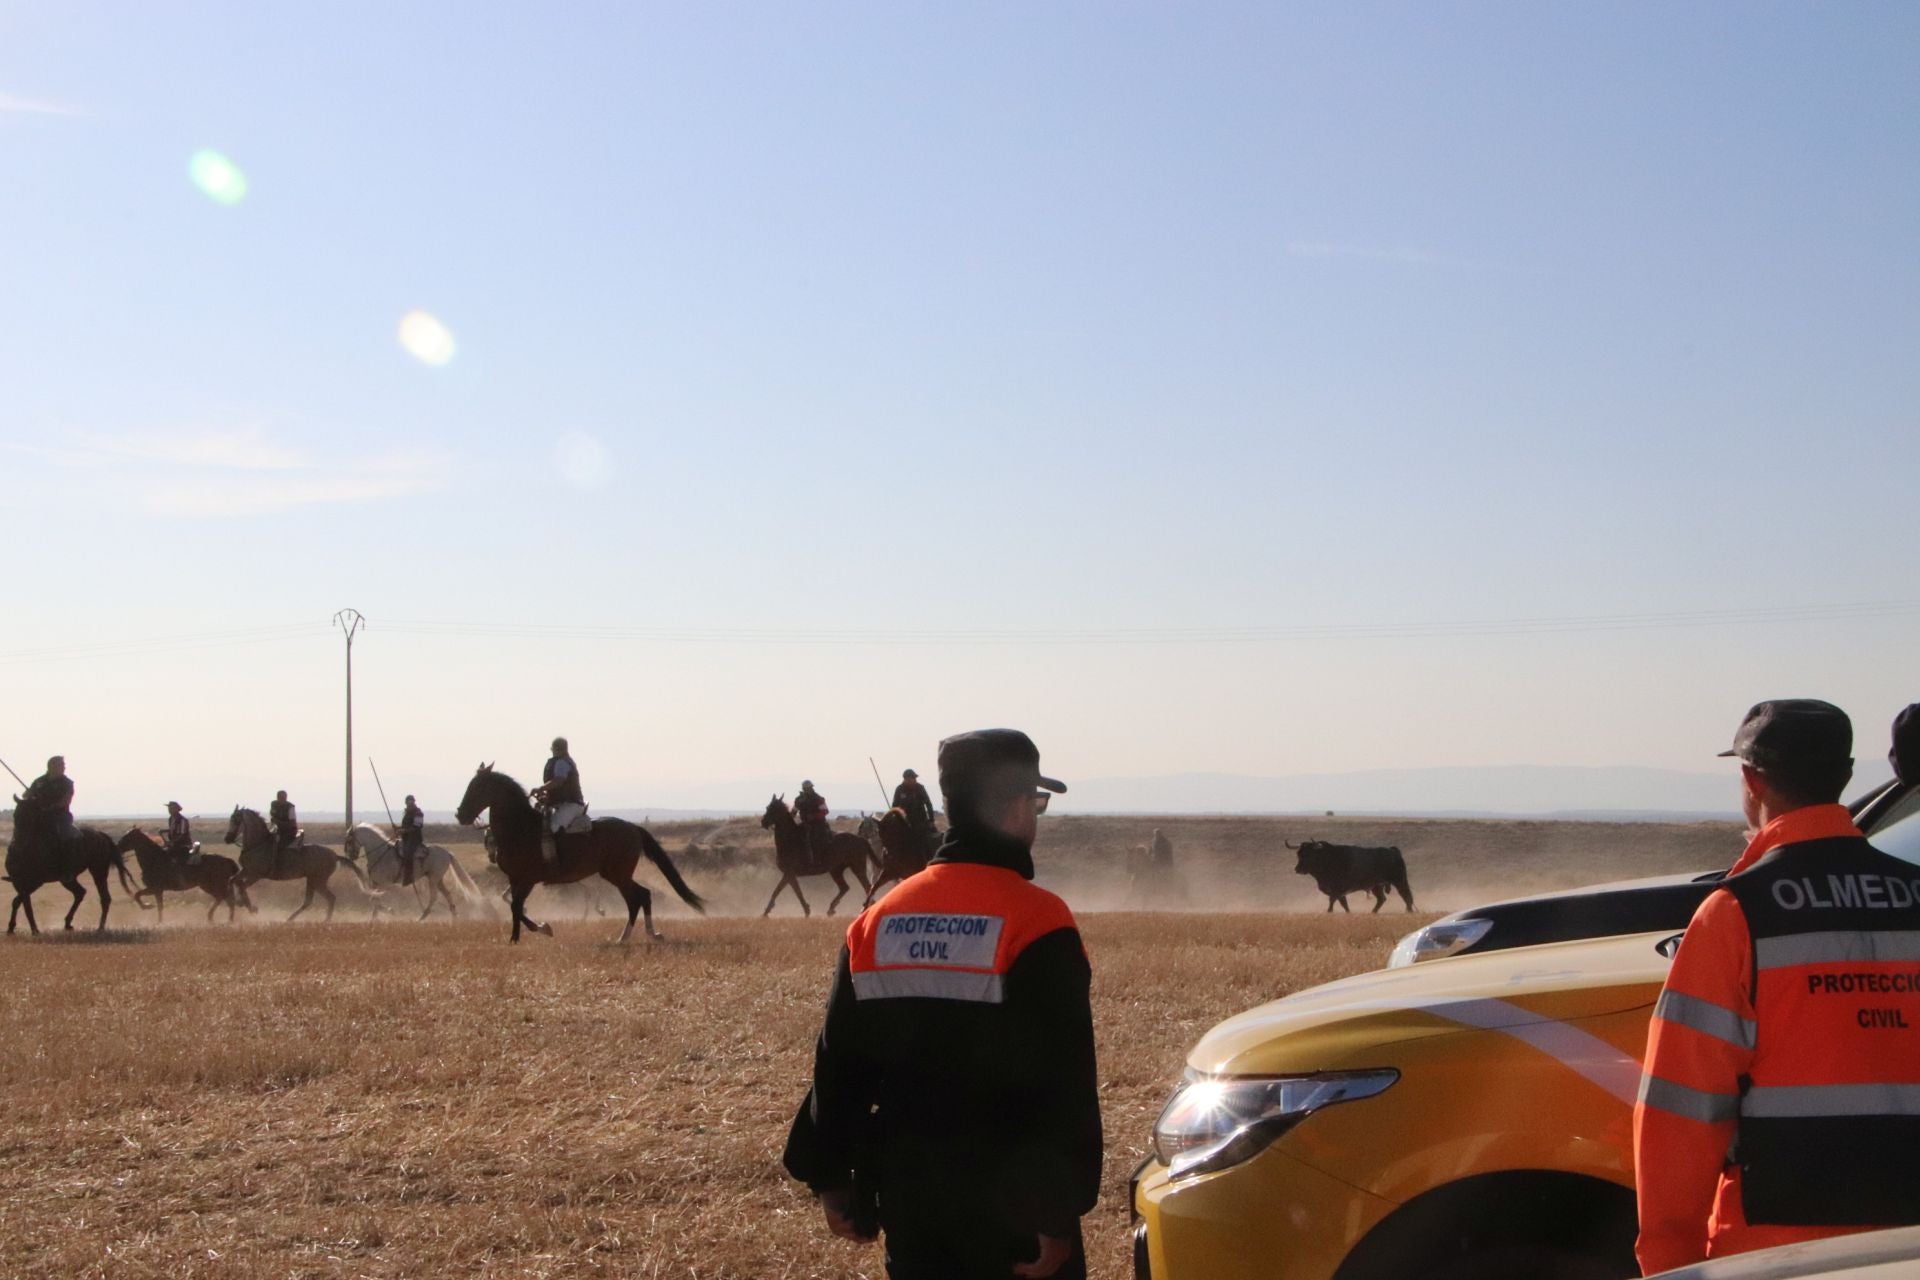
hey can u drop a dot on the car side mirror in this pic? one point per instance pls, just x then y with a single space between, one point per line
1667 946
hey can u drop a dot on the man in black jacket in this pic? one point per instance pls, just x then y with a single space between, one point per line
955 1104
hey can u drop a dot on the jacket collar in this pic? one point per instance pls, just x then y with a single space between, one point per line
989 848
1815 822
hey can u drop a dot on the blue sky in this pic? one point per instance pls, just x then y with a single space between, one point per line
847 322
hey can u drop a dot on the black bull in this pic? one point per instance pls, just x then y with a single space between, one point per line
1341 869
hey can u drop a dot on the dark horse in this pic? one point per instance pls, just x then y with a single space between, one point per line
904 849
36 855
163 873
844 852
611 850
261 858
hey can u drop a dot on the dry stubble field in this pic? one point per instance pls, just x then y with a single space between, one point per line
394 1099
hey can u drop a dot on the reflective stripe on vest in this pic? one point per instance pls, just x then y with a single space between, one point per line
952 932
1830 1121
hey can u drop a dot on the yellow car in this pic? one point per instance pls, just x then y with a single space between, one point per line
1466 1119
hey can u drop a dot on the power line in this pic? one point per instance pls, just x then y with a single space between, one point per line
1209 634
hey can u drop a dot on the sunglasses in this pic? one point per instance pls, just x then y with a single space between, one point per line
1040 799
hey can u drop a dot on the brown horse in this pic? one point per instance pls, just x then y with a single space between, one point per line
216 875
36 855
844 852
611 849
261 858
903 850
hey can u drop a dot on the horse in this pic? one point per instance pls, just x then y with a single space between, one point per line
217 875
37 855
261 858
384 867
611 849
904 850
844 852
1150 878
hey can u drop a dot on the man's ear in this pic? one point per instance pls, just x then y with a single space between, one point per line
1752 781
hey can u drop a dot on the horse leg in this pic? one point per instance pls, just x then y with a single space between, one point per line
841 882
304 904
874 888
106 898
517 898
79 892
20 900
784 882
326 893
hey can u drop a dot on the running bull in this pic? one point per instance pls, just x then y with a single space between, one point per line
1341 869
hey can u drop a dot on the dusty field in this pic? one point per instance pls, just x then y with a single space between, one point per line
390 1099
361 1099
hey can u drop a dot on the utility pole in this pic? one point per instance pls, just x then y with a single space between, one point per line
349 621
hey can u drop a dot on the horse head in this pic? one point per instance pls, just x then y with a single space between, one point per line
777 812
487 787
233 824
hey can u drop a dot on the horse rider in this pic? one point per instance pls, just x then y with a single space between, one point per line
413 838
53 791
810 811
559 796
911 798
179 834
286 823
1160 852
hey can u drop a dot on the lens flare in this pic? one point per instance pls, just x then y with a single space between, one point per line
425 338
583 461
218 178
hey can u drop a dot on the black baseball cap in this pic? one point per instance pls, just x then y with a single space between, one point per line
1905 755
990 760
1794 731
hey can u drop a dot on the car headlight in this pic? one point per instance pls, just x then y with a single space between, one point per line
1441 938
1212 1122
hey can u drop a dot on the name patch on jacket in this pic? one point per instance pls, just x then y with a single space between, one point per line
967 941
1855 890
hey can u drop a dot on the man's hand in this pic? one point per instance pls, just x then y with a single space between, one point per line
1054 1253
838 1206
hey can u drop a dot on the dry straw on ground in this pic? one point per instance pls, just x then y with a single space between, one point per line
359 1100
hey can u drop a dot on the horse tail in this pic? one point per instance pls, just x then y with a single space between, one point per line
467 884
120 864
658 856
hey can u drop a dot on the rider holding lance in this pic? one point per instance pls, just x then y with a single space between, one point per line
53 791
912 799
810 811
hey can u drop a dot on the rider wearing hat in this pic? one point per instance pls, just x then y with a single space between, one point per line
179 832
413 837
810 811
912 799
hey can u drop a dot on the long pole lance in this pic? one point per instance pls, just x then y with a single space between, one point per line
383 791
349 621
886 800
16 777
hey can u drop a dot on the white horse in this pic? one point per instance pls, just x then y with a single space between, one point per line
433 864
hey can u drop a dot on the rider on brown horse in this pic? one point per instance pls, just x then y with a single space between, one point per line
180 835
810 811
286 824
560 799
53 792
911 798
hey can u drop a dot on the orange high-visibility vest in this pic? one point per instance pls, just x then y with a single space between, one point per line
950 933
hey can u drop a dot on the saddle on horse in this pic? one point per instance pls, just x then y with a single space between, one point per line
565 830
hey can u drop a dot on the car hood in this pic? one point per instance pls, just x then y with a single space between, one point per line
1344 1024
1591 890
